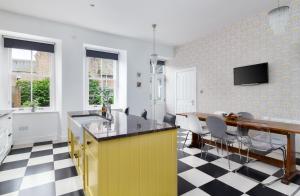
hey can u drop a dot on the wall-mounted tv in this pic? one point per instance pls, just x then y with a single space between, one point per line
251 75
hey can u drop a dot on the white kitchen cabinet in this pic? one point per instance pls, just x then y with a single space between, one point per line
6 134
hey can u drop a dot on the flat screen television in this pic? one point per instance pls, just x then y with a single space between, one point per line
251 75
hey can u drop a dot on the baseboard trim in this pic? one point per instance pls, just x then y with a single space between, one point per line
31 140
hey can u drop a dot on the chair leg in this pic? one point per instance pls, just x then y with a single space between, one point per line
227 154
240 146
222 146
283 168
217 146
185 139
199 140
248 155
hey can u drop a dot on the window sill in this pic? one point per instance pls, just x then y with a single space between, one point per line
36 112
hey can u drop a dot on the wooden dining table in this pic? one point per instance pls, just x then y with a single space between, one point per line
288 129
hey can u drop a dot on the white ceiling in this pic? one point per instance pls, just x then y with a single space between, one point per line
179 21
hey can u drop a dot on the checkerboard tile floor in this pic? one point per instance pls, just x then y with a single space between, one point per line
46 169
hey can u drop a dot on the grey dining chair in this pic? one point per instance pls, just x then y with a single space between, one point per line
260 142
169 118
218 129
194 126
241 133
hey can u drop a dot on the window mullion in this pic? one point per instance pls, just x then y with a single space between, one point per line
31 85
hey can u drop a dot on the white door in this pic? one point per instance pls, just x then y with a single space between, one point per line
185 93
158 105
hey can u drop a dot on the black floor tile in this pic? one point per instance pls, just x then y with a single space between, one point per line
65 173
10 186
278 174
261 190
236 158
182 154
42 143
59 145
218 188
41 153
296 180
184 186
13 165
35 169
61 156
212 170
182 167
75 193
252 173
20 151
43 190
209 157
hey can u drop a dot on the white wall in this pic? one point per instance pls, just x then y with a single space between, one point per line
248 42
34 127
72 40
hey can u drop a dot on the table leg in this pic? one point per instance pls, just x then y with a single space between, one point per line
290 164
196 141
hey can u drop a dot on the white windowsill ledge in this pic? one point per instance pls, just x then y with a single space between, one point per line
36 112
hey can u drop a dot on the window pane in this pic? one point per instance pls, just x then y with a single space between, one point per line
30 78
94 92
41 67
109 86
94 65
101 81
108 68
21 88
21 77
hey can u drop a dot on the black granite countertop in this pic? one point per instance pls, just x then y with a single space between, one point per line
5 112
121 125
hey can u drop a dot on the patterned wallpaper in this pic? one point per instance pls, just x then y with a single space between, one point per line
248 42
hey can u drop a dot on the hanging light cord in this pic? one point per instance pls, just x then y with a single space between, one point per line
154 38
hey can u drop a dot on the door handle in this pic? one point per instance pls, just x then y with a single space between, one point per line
88 142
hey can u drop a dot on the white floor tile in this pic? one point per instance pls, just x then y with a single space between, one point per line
222 162
16 157
63 164
68 185
40 160
12 174
220 154
196 177
60 150
193 161
12 194
192 151
37 179
238 181
280 187
43 147
22 146
196 192
260 166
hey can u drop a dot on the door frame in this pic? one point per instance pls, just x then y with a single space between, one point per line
184 70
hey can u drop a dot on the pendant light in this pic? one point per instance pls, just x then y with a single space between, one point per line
278 19
153 61
154 56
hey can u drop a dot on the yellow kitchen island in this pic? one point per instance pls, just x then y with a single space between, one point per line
124 156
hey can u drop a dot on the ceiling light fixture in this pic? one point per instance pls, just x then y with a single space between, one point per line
153 56
278 18
92 4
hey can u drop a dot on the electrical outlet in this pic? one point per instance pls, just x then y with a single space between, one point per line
23 128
